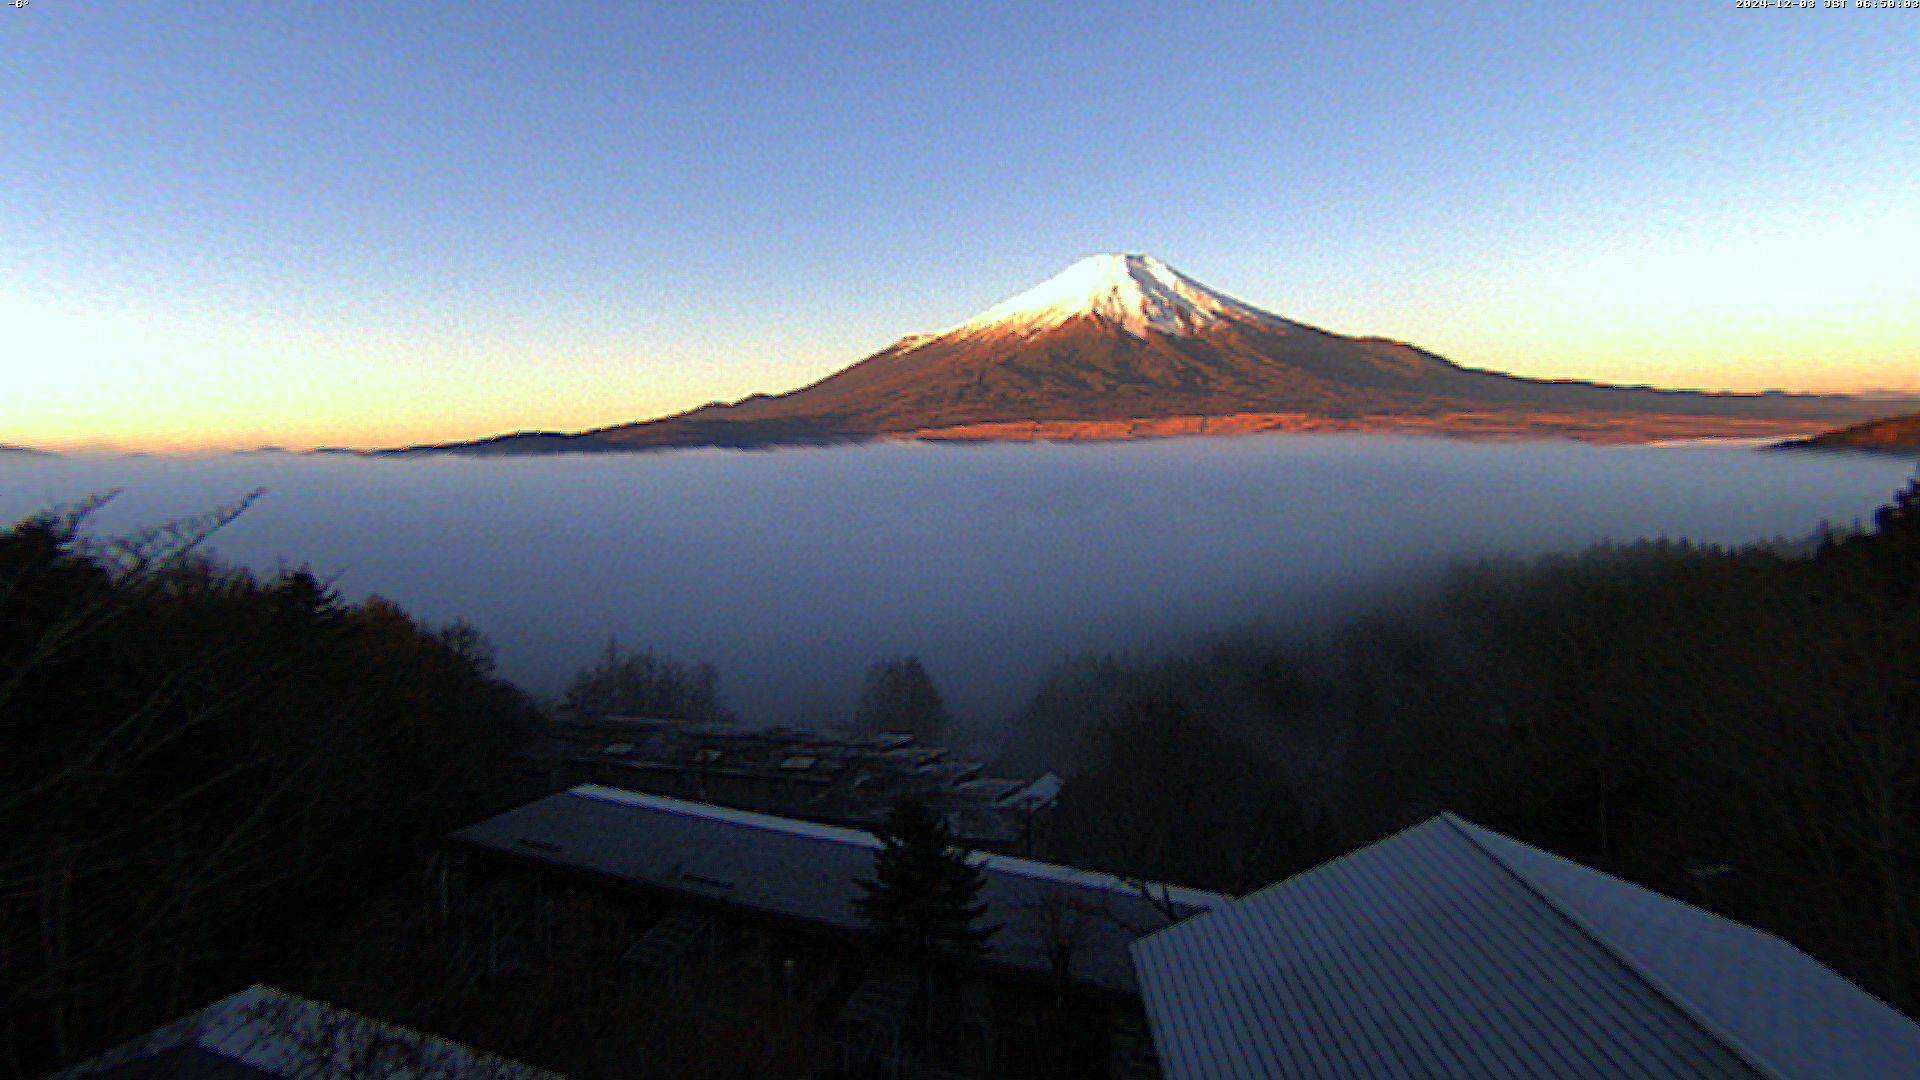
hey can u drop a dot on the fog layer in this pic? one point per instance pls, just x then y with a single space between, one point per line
792 570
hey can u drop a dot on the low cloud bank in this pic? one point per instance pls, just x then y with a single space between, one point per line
792 570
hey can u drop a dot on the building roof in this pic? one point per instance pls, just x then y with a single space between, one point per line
805 870
1448 950
266 1034
845 777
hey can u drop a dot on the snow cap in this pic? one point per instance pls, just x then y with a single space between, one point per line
1135 293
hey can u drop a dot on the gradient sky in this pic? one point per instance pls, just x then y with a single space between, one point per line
227 224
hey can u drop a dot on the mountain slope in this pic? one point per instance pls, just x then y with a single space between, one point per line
1890 435
1123 345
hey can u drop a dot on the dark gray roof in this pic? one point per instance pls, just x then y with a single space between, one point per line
846 777
267 1034
187 1062
1451 951
805 870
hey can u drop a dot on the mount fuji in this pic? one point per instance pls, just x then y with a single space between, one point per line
1120 346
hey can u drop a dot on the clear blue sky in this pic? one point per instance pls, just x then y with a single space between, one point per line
366 222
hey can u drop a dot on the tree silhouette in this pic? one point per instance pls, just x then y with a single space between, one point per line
899 695
301 600
923 899
644 683
201 766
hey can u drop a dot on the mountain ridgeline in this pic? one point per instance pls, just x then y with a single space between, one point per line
1123 345
1893 435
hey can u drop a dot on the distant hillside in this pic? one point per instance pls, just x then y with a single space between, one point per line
1890 435
1122 346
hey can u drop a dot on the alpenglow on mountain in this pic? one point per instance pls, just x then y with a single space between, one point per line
1137 294
1118 346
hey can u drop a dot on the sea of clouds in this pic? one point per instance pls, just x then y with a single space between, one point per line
794 569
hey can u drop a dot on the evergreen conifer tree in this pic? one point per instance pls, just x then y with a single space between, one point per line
924 898
300 600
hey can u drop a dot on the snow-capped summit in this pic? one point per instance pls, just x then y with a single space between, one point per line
1133 293
1118 346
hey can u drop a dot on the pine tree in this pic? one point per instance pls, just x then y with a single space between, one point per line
300 600
924 897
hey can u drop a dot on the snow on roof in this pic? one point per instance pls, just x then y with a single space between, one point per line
806 870
262 1032
1450 950
1200 899
1043 792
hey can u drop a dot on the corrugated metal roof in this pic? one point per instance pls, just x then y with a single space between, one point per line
263 1032
805 870
1450 951
1790 1014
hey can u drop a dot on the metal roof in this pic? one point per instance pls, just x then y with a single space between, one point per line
189 1062
1787 1012
1450 951
263 1033
806 870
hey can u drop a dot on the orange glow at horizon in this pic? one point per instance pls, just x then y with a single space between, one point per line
1823 308
116 381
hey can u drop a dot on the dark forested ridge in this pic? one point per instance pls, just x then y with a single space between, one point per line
1738 729
214 779
1889 435
204 770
